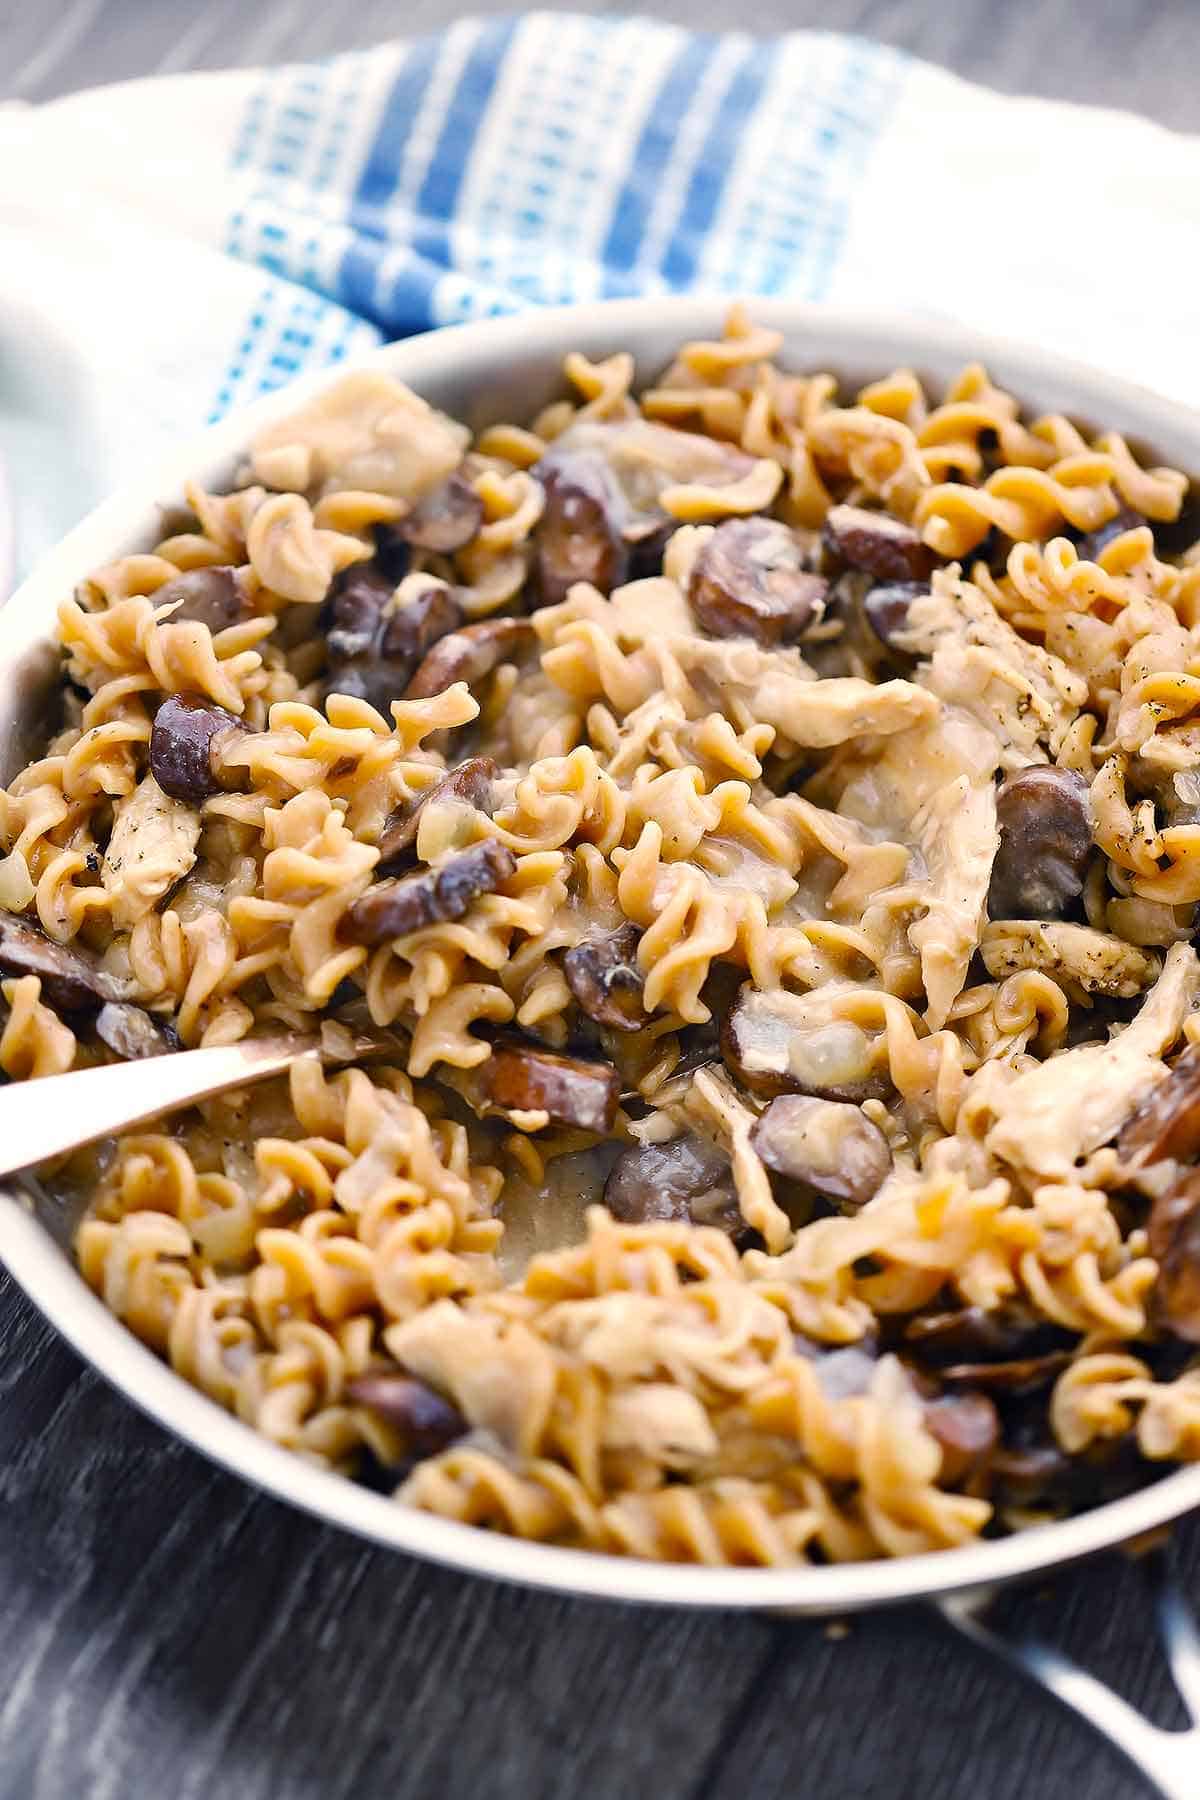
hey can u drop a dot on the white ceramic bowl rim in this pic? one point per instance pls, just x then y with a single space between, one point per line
817 337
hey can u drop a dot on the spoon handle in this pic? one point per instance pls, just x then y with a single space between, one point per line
41 1119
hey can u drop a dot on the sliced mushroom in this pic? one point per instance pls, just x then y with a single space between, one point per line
579 536
1170 1209
353 626
885 547
1031 1475
966 1427
1090 545
211 597
971 1334
1174 1241
378 632
469 781
603 975
186 741
603 480
132 1032
468 655
72 980
1024 1375
774 1044
750 580
687 1178
1044 819
1167 1123
444 520
425 1419
391 909
356 606
417 621
886 606
571 1091
824 1147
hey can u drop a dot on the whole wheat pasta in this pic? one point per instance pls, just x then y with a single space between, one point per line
766 820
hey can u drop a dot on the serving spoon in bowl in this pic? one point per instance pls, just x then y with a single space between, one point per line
48 1118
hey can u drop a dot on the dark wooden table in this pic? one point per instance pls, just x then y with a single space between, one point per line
165 1633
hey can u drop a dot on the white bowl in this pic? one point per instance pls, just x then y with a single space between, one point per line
507 369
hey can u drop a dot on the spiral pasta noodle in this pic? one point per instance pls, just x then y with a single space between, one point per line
751 833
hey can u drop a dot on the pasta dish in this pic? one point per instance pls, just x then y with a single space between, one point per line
755 832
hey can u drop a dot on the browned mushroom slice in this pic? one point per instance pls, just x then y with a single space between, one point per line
749 580
72 980
1177 1291
886 608
425 1419
469 655
885 547
185 744
391 909
1173 1231
687 1178
444 520
1045 824
825 1147
1093 542
967 1429
603 975
1167 1123
579 536
469 781
973 1335
1038 1474
373 645
356 607
132 1032
647 539
523 1078
1029 1474
411 630
602 521
211 597
772 1045
354 624
1169 1209
1021 1376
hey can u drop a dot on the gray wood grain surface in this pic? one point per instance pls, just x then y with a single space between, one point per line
166 1633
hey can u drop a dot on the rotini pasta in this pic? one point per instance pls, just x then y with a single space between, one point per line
766 823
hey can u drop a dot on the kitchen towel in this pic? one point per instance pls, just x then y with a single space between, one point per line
172 247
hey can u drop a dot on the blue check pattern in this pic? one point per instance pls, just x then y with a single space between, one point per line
538 160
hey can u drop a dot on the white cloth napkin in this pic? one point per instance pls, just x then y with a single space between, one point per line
171 247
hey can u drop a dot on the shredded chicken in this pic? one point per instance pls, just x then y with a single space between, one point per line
1027 697
939 779
659 1421
1095 961
648 458
645 610
369 432
499 1377
777 688
153 845
1053 1115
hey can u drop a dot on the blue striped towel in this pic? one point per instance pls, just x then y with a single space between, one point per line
171 248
